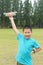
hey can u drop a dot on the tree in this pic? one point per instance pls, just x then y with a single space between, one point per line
35 16
7 6
40 13
20 18
27 11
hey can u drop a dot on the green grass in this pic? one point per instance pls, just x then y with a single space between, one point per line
8 47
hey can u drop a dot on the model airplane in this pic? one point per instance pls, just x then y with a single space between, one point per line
10 13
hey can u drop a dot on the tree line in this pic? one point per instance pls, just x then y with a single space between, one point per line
26 13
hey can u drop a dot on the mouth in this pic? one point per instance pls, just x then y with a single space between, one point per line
27 36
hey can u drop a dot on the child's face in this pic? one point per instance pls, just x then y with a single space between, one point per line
27 33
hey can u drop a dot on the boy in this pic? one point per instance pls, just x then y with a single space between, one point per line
25 43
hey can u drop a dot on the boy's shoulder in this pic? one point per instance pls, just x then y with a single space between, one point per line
32 39
19 36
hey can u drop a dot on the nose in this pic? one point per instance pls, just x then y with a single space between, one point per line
27 34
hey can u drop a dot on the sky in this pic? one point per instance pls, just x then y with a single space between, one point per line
31 0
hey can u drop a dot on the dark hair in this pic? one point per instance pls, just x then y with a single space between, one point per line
27 27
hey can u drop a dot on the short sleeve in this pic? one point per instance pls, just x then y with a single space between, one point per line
36 45
19 36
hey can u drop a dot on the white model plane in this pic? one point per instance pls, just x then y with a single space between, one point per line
10 13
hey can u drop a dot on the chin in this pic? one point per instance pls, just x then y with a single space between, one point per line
27 37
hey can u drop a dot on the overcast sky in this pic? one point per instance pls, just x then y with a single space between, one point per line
31 0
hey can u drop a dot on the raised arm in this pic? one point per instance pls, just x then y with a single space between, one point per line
13 25
10 15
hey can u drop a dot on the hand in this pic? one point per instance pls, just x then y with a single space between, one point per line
33 51
10 15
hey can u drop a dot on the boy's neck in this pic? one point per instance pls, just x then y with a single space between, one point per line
27 38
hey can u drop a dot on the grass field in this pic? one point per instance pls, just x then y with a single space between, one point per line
8 47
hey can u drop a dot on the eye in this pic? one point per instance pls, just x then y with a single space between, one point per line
27 32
